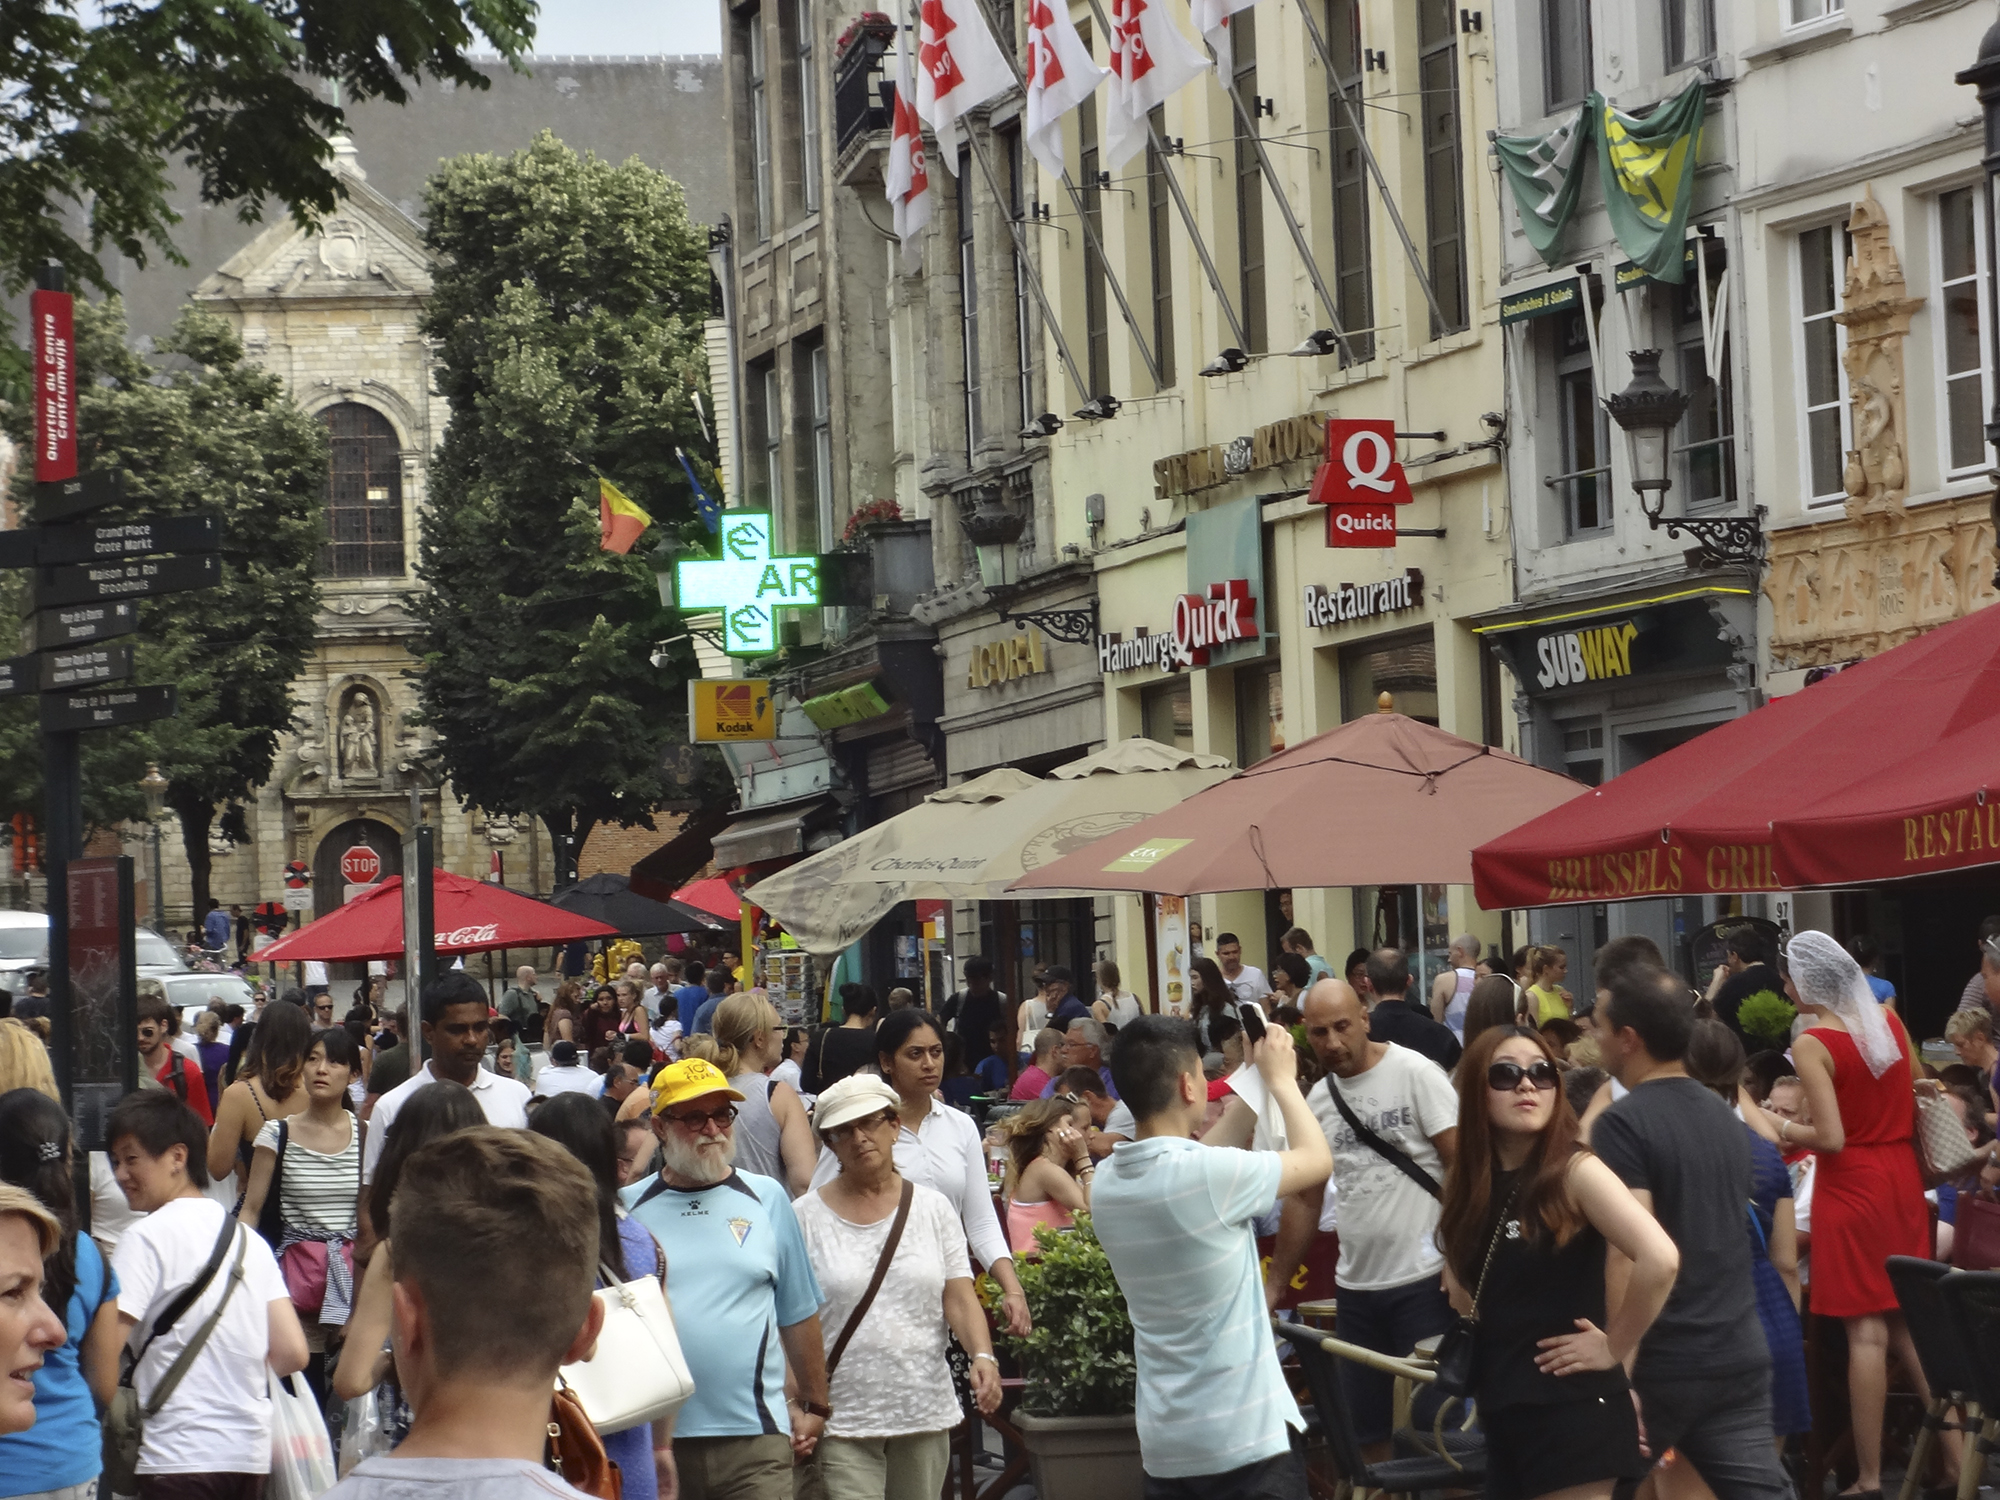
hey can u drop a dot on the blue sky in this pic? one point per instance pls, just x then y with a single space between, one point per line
628 28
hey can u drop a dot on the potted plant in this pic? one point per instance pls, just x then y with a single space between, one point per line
1076 1414
1766 1017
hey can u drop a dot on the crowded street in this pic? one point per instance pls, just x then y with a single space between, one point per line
1109 750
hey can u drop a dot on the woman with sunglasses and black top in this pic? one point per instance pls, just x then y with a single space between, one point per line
1526 1216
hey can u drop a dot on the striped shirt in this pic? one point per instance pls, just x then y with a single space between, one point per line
315 1191
1175 1219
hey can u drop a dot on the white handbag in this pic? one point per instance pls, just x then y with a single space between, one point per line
636 1373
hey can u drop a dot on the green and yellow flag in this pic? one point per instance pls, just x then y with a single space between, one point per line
619 519
1647 170
1545 173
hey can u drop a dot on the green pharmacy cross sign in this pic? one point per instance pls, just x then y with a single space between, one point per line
747 584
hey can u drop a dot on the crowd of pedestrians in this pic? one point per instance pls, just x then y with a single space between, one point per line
415 1242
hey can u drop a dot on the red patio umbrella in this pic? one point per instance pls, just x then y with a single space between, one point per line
712 895
1863 776
469 916
1383 800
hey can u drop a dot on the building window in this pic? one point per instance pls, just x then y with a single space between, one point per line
1260 713
1096 317
765 475
1706 442
1249 189
1803 12
1584 480
1583 749
760 127
1566 61
1962 252
1823 383
1024 297
1688 27
1444 194
818 450
1353 266
968 302
1159 249
364 496
808 109
1166 712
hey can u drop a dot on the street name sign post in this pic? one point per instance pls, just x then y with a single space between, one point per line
78 624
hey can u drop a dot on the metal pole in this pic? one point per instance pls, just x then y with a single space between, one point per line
1187 214
1249 123
1041 297
1089 229
1368 157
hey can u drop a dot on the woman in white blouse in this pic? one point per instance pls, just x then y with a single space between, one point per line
939 1147
889 1437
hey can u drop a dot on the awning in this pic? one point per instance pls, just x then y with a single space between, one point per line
776 833
1878 773
680 858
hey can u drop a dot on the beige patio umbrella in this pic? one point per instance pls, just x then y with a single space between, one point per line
1077 804
826 913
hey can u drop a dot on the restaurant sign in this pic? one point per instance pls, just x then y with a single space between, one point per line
1341 603
1602 650
1221 615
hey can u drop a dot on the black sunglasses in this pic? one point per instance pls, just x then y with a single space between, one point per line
1507 1076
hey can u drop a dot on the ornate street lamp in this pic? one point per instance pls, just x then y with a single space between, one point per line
1984 75
1649 410
154 786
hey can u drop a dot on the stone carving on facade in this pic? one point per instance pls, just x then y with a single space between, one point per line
1875 310
311 757
357 604
360 736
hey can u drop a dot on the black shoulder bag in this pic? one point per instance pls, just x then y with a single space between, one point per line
1395 1155
1454 1350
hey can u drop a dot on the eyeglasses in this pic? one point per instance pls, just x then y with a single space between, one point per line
700 1120
1507 1076
869 1122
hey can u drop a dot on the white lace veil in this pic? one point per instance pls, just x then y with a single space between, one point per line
1827 976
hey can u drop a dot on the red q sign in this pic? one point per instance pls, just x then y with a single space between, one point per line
361 865
1360 481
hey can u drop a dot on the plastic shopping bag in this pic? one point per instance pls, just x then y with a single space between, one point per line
301 1451
365 1433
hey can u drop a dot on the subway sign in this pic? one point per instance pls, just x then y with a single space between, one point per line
1602 651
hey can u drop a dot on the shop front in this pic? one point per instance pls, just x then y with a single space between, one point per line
1607 684
1021 690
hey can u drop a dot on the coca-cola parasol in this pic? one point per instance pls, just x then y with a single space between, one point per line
471 916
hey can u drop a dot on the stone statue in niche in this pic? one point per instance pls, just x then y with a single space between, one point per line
361 736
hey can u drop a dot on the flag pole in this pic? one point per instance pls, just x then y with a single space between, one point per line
1186 213
1374 167
1076 202
1249 124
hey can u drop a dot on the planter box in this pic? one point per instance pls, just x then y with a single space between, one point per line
1083 1458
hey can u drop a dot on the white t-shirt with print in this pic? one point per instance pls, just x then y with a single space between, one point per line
218 1420
893 1378
1388 1224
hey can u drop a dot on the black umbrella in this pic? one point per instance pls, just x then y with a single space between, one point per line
610 899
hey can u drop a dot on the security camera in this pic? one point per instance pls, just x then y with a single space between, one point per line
659 656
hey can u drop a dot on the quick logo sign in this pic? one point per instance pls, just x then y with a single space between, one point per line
1569 658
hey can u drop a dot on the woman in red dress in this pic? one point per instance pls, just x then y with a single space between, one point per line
1868 1199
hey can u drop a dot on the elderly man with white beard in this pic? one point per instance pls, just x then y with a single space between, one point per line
749 1303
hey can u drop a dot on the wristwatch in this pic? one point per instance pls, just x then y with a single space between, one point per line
815 1409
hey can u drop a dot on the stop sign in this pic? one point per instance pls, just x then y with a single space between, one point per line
361 865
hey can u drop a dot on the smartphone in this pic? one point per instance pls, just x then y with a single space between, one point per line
1252 1016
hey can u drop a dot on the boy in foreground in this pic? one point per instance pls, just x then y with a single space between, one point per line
1214 1414
477 1355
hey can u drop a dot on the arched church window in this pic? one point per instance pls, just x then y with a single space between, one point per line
364 496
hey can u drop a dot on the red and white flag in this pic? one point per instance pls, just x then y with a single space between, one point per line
1061 75
1211 19
907 177
961 67
1150 59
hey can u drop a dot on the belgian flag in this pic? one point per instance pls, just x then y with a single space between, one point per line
620 519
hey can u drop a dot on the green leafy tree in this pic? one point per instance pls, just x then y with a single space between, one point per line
567 304
93 111
198 429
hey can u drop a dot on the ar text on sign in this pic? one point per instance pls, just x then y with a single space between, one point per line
748 584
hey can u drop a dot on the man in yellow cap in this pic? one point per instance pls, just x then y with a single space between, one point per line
737 1269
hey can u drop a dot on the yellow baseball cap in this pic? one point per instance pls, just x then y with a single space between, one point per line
690 1079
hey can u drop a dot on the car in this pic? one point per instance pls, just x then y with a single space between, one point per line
24 945
190 994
